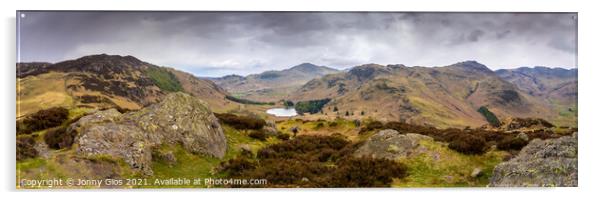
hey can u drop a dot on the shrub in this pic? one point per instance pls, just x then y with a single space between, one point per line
346 151
366 172
302 148
467 141
288 173
333 124
25 148
241 122
58 138
542 134
42 119
315 161
258 134
512 143
311 106
22 128
370 126
319 125
283 136
236 166
325 155
468 144
288 103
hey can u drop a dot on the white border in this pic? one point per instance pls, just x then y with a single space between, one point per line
589 98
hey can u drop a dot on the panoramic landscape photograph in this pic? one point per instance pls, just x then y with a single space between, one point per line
217 99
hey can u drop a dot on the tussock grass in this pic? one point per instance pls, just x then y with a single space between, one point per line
191 165
448 168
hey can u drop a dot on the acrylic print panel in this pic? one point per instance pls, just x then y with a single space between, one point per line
124 99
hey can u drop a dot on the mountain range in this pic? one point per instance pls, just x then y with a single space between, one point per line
448 96
272 85
556 84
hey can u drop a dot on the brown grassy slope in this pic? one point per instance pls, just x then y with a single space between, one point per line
96 81
557 86
441 96
41 92
104 81
205 90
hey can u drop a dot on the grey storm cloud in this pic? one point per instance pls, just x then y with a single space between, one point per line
220 43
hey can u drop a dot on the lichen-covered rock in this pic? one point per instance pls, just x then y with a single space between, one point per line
181 118
178 119
109 115
389 144
550 162
125 141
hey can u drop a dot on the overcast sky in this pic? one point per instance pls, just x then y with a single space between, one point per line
221 43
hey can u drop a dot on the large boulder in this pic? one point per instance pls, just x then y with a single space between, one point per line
125 141
550 162
178 119
109 115
389 144
184 119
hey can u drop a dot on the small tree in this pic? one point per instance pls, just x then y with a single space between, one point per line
346 113
288 103
335 109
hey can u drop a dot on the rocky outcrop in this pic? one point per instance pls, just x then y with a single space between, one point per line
389 144
181 118
178 119
31 68
511 124
550 162
97 117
